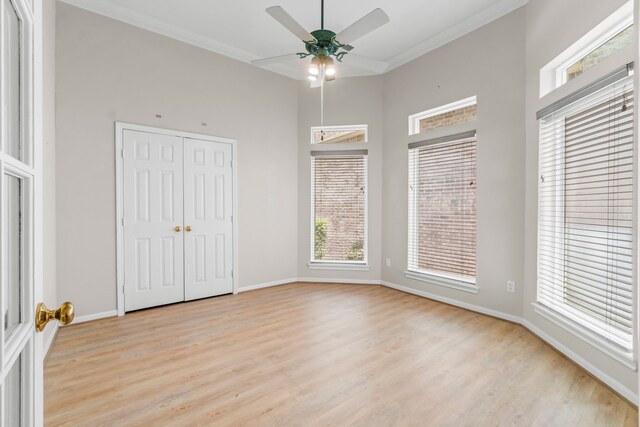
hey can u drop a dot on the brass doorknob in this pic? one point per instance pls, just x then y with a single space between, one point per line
64 315
178 229
188 228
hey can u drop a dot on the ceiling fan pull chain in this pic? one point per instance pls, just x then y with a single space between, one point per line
322 110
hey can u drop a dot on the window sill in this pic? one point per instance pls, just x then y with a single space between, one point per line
586 335
442 280
342 266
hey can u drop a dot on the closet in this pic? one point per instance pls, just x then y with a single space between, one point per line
177 218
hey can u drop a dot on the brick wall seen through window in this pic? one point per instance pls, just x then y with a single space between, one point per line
339 199
443 200
449 118
616 43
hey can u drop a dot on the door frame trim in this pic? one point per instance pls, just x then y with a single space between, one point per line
120 127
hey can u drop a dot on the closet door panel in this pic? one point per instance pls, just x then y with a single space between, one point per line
208 222
153 208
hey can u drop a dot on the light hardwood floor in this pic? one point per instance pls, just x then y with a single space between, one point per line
317 355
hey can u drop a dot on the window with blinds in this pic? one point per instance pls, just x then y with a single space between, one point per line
339 206
442 208
585 217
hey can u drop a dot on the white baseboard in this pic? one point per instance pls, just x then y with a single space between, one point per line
476 308
267 284
96 316
587 366
345 281
557 345
50 339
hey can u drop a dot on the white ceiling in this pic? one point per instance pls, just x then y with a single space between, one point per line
244 31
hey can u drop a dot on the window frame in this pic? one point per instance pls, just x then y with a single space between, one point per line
564 315
443 279
562 71
415 119
553 75
346 128
337 264
26 89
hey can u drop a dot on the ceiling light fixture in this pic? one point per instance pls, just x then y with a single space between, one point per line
324 45
322 68
329 68
314 68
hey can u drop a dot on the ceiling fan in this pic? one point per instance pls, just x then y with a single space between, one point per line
325 45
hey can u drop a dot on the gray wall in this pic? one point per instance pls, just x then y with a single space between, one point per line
108 71
348 101
552 27
49 166
489 63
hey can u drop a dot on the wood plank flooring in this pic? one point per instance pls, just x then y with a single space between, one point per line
317 355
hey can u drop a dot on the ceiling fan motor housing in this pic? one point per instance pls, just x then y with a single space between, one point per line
325 44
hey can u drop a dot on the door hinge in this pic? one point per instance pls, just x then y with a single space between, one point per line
231 218
122 153
232 273
123 221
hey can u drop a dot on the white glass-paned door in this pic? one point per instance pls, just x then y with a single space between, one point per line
20 351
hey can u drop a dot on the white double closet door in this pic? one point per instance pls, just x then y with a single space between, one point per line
177 211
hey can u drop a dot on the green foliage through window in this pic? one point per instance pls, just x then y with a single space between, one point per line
356 252
320 238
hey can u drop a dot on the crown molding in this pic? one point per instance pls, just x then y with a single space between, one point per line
126 15
452 33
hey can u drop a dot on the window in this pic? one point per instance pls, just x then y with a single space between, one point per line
612 35
451 114
621 40
442 211
339 207
339 134
585 214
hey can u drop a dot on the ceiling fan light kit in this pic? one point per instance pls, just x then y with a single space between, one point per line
322 66
314 68
325 45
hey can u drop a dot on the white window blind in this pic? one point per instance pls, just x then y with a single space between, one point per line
585 217
442 207
339 206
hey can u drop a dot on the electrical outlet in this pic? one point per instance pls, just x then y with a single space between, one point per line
511 286
388 262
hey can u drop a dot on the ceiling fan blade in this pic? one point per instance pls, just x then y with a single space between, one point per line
280 15
374 19
275 59
365 63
